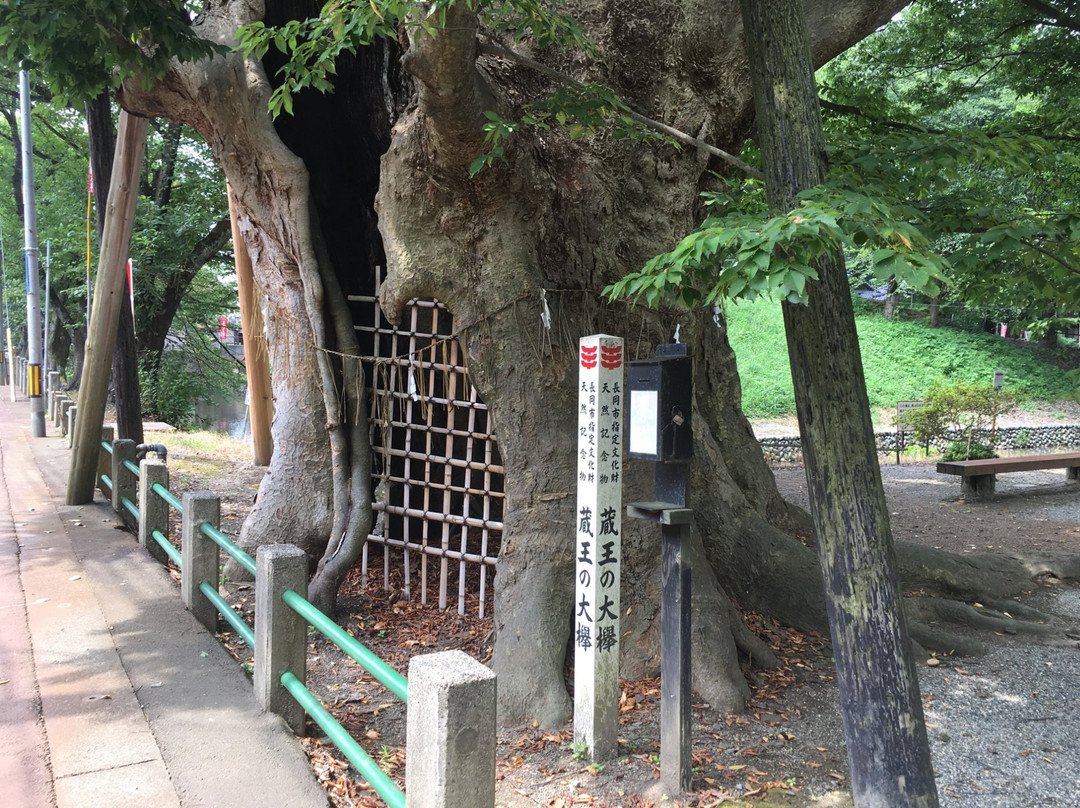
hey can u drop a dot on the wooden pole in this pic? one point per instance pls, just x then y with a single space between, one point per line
256 355
109 296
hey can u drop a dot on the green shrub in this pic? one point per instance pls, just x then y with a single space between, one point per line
1023 439
962 450
958 407
170 391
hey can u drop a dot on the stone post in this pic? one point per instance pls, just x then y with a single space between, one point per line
125 485
65 405
153 510
280 633
71 423
450 733
200 555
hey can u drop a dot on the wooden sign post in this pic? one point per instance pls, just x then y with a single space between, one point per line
598 547
661 407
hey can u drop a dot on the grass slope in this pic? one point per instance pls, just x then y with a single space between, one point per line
901 359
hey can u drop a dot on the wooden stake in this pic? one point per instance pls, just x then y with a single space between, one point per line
109 296
256 355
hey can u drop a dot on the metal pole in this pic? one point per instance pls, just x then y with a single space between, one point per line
33 282
45 344
7 321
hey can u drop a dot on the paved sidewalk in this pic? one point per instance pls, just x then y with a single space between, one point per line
110 692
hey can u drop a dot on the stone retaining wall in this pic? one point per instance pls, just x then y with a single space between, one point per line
786 451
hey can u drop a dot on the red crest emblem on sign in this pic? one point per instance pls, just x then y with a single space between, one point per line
611 357
588 357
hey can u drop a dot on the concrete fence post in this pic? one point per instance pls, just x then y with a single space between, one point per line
71 412
280 633
57 411
199 554
65 405
53 380
450 733
105 461
153 510
124 484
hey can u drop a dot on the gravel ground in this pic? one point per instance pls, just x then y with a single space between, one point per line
1004 728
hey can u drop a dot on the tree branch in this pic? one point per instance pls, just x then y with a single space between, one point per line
493 49
1057 15
1056 258
452 92
847 109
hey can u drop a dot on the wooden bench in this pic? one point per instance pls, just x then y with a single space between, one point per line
977 476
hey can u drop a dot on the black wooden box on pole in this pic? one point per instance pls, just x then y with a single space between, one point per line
660 394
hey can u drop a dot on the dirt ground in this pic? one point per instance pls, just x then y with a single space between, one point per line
787 749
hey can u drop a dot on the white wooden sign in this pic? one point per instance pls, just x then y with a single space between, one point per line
598 547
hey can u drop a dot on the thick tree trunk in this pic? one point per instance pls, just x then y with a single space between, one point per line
888 750
226 99
570 218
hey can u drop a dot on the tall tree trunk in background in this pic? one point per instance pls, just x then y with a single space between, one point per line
879 690
935 310
892 299
79 343
125 373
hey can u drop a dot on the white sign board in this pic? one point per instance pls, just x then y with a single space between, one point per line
598 549
644 416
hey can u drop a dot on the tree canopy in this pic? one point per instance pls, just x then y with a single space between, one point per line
968 111
85 47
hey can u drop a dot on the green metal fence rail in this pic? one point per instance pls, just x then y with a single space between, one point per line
226 544
383 673
131 508
166 545
383 785
247 634
163 492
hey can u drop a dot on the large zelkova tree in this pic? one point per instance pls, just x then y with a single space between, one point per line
379 170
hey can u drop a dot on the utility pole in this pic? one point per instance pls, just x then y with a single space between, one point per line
105 314
45 347
30 252
10 356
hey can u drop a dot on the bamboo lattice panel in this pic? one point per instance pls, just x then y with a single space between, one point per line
437 473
